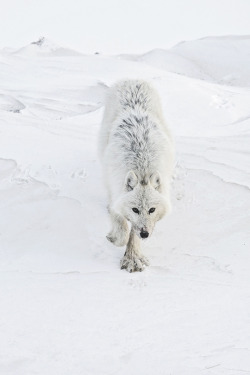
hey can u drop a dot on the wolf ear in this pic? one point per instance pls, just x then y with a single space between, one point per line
131 181
155 180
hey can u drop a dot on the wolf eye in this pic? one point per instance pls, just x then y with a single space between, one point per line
151 210
135 210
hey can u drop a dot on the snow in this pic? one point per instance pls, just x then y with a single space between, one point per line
45 47
66 307
225 60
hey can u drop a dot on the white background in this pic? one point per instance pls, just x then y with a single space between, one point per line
120 26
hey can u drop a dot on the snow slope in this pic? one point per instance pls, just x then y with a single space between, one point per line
66 307
225 60
44 47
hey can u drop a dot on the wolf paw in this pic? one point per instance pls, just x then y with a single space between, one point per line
118 240
134 264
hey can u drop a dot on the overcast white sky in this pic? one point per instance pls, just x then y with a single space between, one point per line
119 26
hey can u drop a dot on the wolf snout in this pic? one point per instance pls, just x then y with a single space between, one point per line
144 233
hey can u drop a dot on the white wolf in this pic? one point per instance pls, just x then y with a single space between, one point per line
137 153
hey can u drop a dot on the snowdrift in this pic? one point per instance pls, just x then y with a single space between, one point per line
45 47
225 60
66 307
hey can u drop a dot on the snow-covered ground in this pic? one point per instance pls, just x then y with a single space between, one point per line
66 307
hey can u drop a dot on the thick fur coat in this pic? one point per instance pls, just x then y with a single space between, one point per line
137 153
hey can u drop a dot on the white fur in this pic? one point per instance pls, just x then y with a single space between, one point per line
137 153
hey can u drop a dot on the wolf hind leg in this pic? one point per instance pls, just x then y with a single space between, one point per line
133 260
119 234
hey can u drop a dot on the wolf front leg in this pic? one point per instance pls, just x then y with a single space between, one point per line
133 260
119 234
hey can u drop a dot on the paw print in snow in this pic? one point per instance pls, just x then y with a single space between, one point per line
79 174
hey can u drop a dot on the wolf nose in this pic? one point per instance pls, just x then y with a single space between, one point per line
144 234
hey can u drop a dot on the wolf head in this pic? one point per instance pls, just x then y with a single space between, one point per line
142 202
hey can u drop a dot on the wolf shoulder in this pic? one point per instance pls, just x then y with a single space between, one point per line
135 95
128 97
